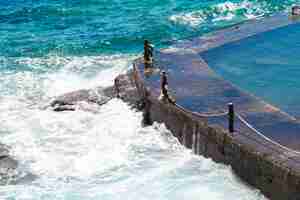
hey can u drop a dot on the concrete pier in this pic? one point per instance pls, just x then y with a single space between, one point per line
264 147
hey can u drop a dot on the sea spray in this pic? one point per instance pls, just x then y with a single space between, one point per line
94 156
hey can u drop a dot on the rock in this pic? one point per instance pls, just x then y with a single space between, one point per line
67 102
7 164
127 90
8 167
64 108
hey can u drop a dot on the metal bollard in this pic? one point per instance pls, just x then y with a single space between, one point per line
148 54
231 117
163 84
146 51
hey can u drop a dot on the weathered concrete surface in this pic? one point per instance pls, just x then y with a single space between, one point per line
200 93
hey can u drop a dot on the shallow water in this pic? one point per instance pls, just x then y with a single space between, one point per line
48 48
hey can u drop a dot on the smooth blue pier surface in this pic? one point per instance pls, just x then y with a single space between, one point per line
198 88
267 65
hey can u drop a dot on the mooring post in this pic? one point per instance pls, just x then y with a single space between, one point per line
148 54
231 117
163 84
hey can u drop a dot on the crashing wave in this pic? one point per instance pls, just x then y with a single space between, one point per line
229 11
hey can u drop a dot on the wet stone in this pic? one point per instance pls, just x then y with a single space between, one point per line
68 101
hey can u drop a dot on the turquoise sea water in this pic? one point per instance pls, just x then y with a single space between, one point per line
49 47
91 27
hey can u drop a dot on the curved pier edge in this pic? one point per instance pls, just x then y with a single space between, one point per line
236 32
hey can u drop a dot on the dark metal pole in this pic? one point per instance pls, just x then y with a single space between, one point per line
163 84
147 54
231 117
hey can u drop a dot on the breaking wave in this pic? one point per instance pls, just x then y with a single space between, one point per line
231 12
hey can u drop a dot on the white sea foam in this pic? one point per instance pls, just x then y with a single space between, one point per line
226 17
192 18
61 75
80 155
103 155
226 11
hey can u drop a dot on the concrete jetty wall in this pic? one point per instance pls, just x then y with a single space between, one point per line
257 161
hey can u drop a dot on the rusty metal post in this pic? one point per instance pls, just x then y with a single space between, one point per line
163 84
146 52
147 58
148 55
231 117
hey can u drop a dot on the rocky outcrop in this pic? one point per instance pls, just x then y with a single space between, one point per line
127 89
68 101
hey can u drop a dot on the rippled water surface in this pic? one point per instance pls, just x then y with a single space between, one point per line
49 47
